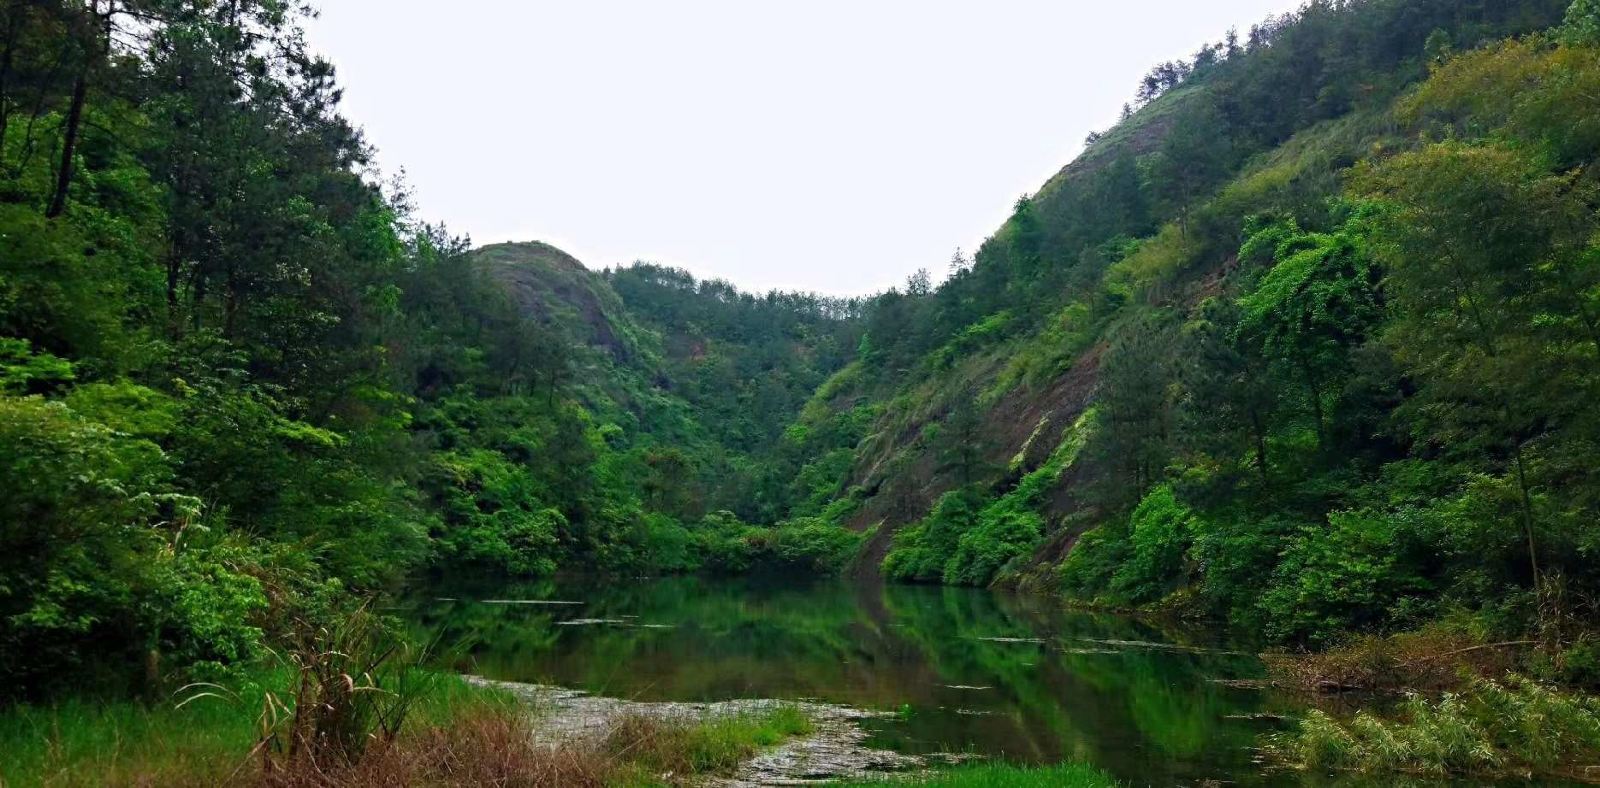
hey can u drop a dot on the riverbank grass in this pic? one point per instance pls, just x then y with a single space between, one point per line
456 733
1000 775
203 735
1516 728
653 751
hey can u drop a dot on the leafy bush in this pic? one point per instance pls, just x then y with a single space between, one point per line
1349 574
1231 550
922 550
670 547
1158 534
1007 529
812 544
1583 23
97 547
726 542
493 517
1086 573
966 540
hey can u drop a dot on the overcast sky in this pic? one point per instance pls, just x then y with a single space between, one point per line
817 145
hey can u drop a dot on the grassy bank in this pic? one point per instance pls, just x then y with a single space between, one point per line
992 775
455 733
1513 728
648 751
205 735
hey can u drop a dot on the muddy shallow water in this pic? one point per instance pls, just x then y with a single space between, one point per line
961 671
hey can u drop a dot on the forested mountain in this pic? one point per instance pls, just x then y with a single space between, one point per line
1309 341
1305 342
238 380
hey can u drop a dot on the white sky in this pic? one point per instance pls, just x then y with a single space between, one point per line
823 145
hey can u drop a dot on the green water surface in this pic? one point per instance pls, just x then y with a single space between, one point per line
967 670
1000 675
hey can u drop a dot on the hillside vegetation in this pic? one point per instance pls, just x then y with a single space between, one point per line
242 387
1306 343
1309 342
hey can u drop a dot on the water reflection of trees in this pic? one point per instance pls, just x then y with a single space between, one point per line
1145 712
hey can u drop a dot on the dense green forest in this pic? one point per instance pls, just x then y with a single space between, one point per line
1309 342
242 383
1305 343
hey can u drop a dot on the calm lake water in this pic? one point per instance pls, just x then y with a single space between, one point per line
1001 675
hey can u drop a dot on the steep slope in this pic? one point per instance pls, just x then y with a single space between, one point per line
1193 343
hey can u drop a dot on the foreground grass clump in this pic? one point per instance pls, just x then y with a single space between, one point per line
1518 727
648 750
1006 776
93 743
214 738
455 734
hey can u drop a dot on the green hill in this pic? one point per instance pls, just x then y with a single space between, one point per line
1309 342
1265 351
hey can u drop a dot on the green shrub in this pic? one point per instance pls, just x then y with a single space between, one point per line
1349 574
1086 573
967 540
1006 530
1232 549
493 516
1158 535
1583 23
96 546
670 547
1514 728
726 542
922 551
813 544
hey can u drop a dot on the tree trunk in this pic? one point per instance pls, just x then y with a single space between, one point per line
80 93
174 271
1259 434
1527 512
5 77
1315 388
69 146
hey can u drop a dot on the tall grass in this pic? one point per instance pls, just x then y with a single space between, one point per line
1518 727
346 704
354 685
454 734
208 740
